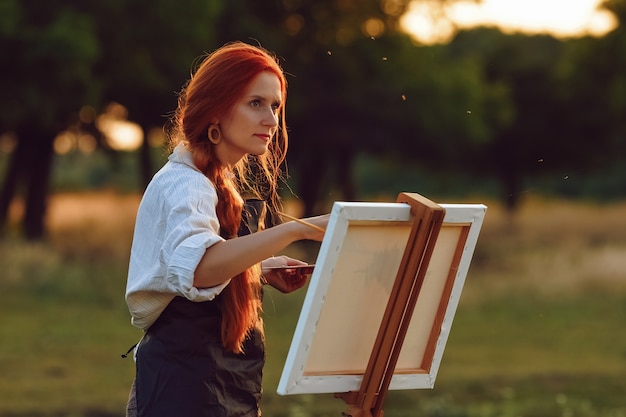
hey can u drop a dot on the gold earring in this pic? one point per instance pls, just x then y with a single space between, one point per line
215 134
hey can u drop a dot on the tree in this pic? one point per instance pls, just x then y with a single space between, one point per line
69 53
567 99
52 50
537 137
596 94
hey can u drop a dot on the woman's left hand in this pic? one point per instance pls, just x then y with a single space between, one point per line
284 279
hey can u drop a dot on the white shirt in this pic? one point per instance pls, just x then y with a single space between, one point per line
176 223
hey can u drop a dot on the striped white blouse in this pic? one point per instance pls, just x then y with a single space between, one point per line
176 223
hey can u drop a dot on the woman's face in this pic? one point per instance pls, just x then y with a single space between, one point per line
253 121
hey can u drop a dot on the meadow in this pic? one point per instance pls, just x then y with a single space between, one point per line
539 330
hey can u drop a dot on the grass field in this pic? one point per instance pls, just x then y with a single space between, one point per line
539 330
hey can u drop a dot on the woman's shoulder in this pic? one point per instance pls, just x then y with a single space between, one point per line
175 183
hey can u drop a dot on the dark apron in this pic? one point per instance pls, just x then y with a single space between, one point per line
183 370
182 367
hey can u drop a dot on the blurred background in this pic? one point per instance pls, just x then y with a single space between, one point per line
520 105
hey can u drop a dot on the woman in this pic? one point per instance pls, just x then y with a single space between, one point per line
194 285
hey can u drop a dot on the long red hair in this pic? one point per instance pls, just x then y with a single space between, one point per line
218 83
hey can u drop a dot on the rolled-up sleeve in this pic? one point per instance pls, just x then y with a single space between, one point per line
193 228
183 263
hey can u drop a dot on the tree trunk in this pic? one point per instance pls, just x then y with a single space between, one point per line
507 170
38 183
511 184
15 171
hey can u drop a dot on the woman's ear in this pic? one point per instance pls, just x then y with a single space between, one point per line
215 134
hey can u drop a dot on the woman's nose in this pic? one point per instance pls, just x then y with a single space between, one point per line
270 118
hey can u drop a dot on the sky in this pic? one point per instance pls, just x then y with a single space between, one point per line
562 18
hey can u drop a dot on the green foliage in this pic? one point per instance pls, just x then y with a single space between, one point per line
9 17
49 74
560 94
510 109
148 50
100 170
606 183
504 107
66 54
77 171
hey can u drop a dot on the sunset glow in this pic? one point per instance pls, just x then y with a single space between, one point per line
561 18
120 133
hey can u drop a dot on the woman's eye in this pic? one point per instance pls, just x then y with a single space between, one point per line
259 103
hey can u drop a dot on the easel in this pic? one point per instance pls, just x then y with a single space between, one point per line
428 219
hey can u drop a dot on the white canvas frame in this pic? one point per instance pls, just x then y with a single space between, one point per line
335 333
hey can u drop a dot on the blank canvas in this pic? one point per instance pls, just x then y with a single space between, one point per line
349 289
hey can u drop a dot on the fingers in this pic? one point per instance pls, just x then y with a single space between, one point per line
287 279
294 281
280 261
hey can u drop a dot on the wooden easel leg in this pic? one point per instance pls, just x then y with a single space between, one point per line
359 412
428 219
356 412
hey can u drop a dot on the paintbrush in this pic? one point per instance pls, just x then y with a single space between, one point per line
295 219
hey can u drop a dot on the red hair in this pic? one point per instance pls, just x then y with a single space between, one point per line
213 90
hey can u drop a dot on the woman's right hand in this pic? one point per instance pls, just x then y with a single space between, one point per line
311 233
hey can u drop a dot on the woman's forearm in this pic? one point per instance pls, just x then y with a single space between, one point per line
229 258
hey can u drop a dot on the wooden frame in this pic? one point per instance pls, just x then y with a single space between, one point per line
350 288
